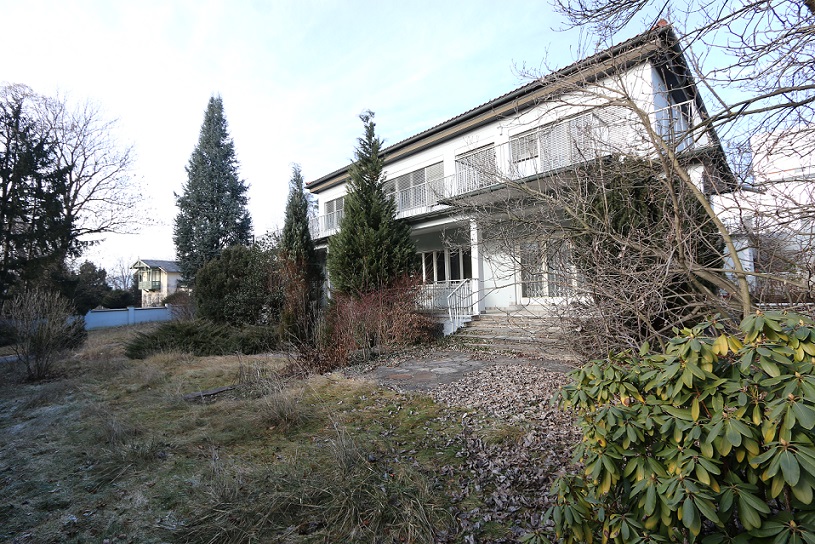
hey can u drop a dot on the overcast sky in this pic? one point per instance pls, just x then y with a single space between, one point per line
294 76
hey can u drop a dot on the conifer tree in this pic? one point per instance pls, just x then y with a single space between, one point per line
35 231
212 212
372 247
296 243
299 270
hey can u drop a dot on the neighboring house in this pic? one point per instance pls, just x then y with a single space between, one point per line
157 280
546 126
771 218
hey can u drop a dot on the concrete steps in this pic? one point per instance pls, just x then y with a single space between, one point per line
524 332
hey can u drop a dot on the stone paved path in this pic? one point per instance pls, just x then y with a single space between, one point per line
429 369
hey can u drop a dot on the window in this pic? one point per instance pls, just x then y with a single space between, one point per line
476 170
524 147
581 138
546 269
446 265
333 213
418 188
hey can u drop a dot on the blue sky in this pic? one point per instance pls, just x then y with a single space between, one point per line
293 75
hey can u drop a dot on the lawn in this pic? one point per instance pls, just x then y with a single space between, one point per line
109 450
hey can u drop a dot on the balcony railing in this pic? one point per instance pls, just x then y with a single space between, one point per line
150 285
588 136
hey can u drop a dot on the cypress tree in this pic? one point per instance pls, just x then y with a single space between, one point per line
212 212
372 247
299 271
296 243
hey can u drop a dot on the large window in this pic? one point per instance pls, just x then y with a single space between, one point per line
446 265
561 144
417 189
524 147
333 213
476 169
546 269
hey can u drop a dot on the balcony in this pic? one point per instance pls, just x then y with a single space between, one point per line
585 137
150 285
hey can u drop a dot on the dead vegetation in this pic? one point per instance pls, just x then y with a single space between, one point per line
110 451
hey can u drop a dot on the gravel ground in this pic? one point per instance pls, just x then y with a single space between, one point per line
512 477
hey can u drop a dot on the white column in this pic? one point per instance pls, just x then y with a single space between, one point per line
477 266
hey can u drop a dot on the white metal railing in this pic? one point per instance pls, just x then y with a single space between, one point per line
590 135
419 199
436 296
460 303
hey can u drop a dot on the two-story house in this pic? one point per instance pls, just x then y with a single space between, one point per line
156 279
587 110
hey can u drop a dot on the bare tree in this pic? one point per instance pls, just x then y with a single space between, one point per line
752 63
609 184
120 274
100 196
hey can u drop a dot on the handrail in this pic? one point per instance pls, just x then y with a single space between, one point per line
455 293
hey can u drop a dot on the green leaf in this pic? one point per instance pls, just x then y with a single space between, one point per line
732 435
748 515
804 414
803 491
769 367
708 510
790 468
690 516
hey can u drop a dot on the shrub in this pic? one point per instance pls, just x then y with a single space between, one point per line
182 305
202 338
710 441
237 288
118 298
358 326
42 329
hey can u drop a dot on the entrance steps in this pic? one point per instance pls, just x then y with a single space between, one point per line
526 331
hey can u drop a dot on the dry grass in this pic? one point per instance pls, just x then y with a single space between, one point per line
110 450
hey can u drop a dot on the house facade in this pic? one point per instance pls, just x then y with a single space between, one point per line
156 279
584 112
772 216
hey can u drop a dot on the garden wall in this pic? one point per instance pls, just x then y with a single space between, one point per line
100 319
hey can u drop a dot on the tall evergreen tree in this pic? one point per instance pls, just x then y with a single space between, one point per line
296 242
299 271
35 232
372 248
212 212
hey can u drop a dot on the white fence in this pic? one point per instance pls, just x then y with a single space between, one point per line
100 319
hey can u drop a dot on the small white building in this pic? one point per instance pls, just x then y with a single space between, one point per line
549 125
157 280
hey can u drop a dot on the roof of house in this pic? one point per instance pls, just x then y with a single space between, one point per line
660 39
167 266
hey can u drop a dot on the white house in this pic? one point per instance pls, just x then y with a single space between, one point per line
157 280
771 216
551 124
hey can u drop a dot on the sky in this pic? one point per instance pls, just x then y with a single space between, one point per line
294 76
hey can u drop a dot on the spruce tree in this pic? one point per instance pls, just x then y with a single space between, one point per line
372 248
212 212
35 231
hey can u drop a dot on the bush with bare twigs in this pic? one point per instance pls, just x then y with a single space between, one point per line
43 329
